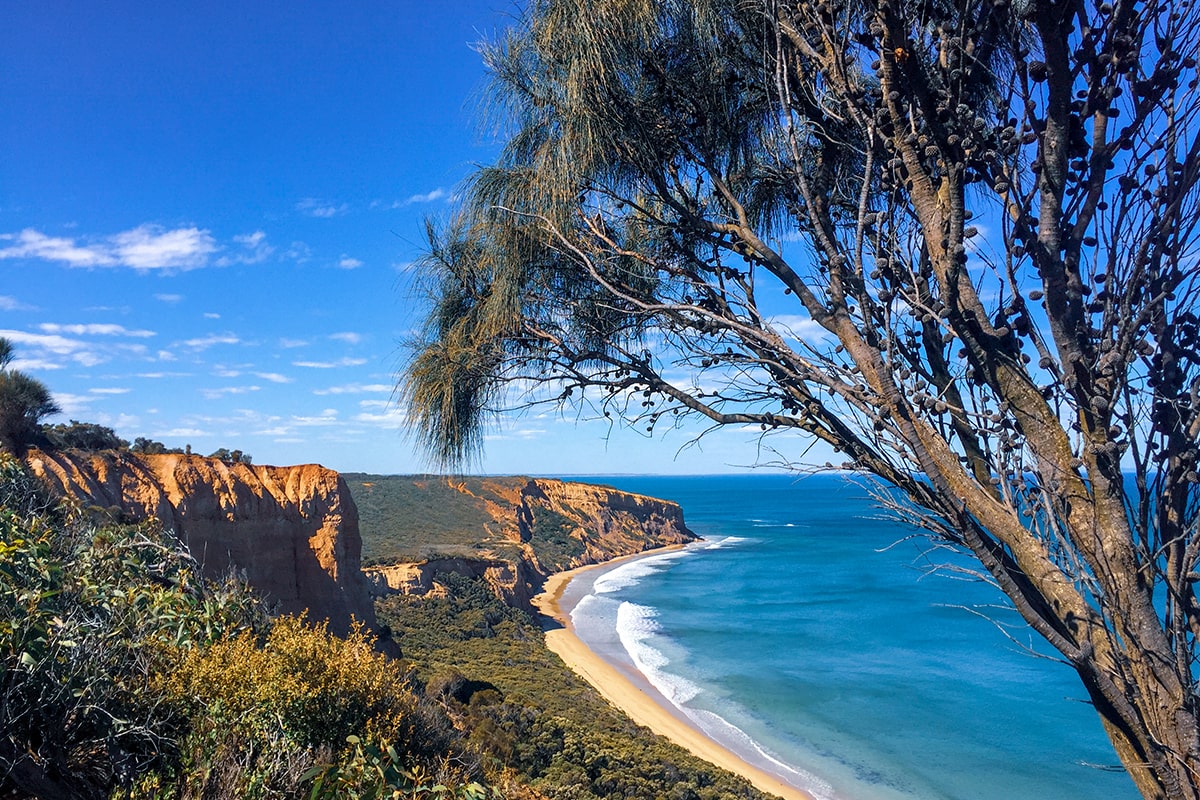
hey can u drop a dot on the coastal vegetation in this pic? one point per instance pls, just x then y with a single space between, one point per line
411 518
124 673
528 715
406 518
954 242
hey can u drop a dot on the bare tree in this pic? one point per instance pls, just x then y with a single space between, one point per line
953 240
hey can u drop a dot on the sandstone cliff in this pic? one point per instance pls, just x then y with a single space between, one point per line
293 531
514 582
511 532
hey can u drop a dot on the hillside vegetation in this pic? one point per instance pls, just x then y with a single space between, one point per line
411 517
123 673
527 714
551 524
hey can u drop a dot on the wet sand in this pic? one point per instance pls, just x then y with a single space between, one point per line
637 698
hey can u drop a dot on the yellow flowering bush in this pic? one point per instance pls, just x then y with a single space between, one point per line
123 673
301 681
271 713
90 611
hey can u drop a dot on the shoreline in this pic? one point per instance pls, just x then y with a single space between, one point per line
637 698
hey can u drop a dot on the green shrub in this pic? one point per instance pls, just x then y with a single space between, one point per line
89 613
550 536
268 713
124 674
82 436
314 687
371 772
531 719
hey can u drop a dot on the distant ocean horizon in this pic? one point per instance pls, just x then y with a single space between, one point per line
807 634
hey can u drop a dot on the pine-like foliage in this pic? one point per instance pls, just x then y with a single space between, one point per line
954 241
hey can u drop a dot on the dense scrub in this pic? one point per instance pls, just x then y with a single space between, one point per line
487 665
550 536
124 673
404 517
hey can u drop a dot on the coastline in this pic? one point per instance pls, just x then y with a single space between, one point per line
642 703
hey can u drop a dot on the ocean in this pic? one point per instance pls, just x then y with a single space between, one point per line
807 634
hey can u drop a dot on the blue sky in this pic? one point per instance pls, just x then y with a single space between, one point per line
207 211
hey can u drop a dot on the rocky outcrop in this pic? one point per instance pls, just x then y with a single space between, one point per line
608 523
511 581
534 528
293 531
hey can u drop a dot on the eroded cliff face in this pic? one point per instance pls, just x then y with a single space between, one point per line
293 531
607 523
536 527
513 582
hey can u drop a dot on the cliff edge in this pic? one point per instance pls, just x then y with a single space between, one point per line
511 532
293 531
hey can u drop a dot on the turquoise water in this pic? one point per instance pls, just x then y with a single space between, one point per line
804 636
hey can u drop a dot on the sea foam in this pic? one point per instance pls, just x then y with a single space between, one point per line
725 732
636 625
630 574
727 541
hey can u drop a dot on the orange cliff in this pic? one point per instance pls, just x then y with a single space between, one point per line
604 523
293 531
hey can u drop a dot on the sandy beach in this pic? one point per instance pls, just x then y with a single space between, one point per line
643 704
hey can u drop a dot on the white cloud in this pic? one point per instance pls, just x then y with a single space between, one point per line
179 433
211 315
95 329
314 207
150 247
34 364
349 337
392 418
327 417
254 250
298 252
346 262
13 304
145 247
216 394
354 388
344 362
119 422
523 433
112 390
34 244
279 430
205 342
428 197
273 377
169 298
797 327
43 343
72 405
292 343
